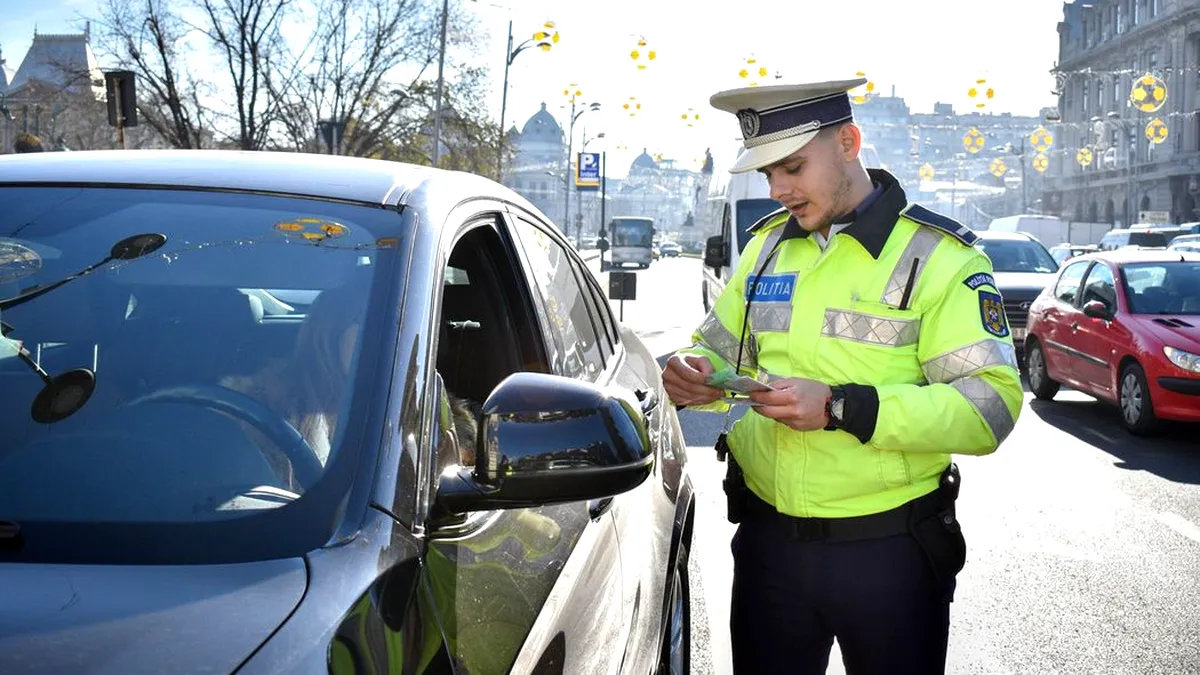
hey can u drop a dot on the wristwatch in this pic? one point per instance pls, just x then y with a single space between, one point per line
835 409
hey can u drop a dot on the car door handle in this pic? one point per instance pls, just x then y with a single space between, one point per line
599 507
649 399
1075 326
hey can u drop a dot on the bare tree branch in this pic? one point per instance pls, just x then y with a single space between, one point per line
146 37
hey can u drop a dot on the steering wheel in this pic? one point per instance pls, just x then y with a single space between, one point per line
304 460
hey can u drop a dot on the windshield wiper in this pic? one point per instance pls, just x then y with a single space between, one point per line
128 248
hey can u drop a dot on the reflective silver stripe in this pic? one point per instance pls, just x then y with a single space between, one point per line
989 403
969 360
715 336
768 245
871 329
770 317
919 248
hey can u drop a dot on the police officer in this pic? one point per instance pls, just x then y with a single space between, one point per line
882 334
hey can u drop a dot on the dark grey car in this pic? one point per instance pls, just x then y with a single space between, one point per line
290 413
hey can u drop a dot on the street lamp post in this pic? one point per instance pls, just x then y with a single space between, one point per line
570 149
541 40
1129 132
437 115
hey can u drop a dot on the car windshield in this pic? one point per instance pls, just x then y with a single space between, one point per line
749 212
1017 255
1162 287
633 232
220 337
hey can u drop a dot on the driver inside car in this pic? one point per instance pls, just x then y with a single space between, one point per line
308 387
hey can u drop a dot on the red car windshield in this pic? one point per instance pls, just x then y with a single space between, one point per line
1163 287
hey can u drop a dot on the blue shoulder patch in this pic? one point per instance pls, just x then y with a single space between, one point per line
991 313
922 215
762 222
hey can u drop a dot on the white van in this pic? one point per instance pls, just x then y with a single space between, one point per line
734 203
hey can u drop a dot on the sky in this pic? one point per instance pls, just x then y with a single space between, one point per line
930 51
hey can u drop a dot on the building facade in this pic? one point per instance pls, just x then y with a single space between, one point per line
57 93
1105 46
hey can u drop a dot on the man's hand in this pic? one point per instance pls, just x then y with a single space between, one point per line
684 379
796 402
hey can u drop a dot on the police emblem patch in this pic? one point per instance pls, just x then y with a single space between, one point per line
991 311
974 281
749 121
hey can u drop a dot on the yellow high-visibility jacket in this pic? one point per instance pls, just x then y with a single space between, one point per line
903 312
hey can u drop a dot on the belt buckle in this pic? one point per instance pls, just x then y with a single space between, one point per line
809 529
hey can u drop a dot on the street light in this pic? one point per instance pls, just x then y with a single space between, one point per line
543 41
437 115
570 149
1129 131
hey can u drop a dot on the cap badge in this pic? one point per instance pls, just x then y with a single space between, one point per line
749 121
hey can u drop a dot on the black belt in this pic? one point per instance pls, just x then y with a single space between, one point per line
855 528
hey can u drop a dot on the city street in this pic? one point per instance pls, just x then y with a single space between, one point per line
1084 542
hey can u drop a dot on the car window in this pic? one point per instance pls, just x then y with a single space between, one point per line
1067 287
486 331
1153 239
226 366
1163 288
749 212
605 321
1100 286
566 316
1017 255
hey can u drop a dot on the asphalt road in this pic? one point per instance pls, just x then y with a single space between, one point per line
1084 542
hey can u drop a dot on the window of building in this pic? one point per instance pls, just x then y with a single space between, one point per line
1085 95
1152 61
1122 16
1137 12
1153 8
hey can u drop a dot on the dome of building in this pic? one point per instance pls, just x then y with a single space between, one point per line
643 161
542 127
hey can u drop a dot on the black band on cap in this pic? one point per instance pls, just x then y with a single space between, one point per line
826 111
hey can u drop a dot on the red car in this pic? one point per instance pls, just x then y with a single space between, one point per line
1123 326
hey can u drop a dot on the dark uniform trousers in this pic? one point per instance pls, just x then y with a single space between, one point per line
791 597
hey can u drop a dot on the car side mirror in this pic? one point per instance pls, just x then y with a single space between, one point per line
1097 310
715 253
545 439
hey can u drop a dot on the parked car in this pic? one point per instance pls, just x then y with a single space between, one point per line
1187 242
1064 252
1022 268
670 249
255 419
1123 326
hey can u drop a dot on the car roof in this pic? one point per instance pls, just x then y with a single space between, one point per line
354 179
997 234
1131 254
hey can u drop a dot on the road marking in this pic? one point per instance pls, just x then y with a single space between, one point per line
1181 525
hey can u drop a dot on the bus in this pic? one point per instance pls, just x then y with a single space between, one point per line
631 241
734 203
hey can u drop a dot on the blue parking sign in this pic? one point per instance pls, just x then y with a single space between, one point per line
587 171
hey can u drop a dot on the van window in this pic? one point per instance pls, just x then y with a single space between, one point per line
749 212
1147 239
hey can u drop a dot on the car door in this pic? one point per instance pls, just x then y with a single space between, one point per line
1060 314
534 589
581 347
1100 342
